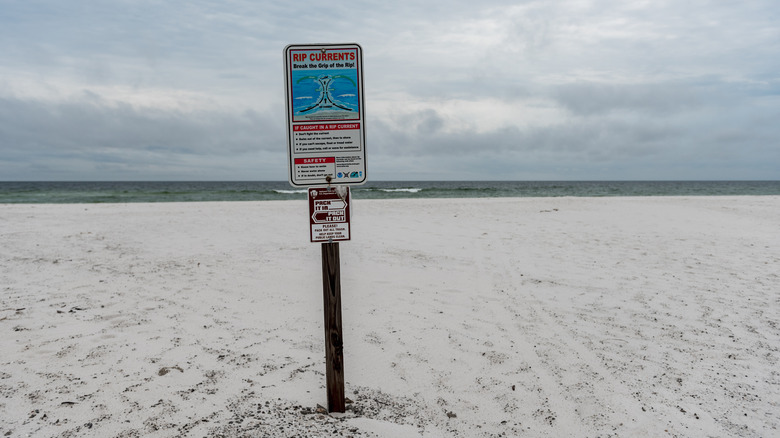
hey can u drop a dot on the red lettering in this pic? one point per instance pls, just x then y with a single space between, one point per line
318 160
298 128
332 56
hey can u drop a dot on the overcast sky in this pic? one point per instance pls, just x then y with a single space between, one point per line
490 89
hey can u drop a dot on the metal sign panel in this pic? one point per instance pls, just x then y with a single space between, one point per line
329 214
326 134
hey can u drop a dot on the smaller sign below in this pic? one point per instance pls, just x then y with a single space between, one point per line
329 214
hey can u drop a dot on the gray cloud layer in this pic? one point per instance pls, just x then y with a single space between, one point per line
473 90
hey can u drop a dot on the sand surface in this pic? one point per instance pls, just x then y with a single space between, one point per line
549 317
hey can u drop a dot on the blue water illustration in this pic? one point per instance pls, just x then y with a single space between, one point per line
325 94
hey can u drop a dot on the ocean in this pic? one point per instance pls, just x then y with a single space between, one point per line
204 191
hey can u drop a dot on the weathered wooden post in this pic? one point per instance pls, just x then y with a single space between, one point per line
334 344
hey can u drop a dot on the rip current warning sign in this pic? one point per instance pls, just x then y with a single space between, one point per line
325 114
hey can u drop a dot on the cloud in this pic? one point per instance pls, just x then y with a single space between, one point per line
98 136
594 99
455 89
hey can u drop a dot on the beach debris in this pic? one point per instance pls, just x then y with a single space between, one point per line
165 370
548 415
451 414
73 309
16 312
68 403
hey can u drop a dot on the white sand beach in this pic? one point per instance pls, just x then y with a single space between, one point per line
531 317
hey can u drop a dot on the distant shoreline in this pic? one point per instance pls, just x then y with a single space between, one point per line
95 192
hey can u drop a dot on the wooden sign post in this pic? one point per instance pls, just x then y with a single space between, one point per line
334 343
